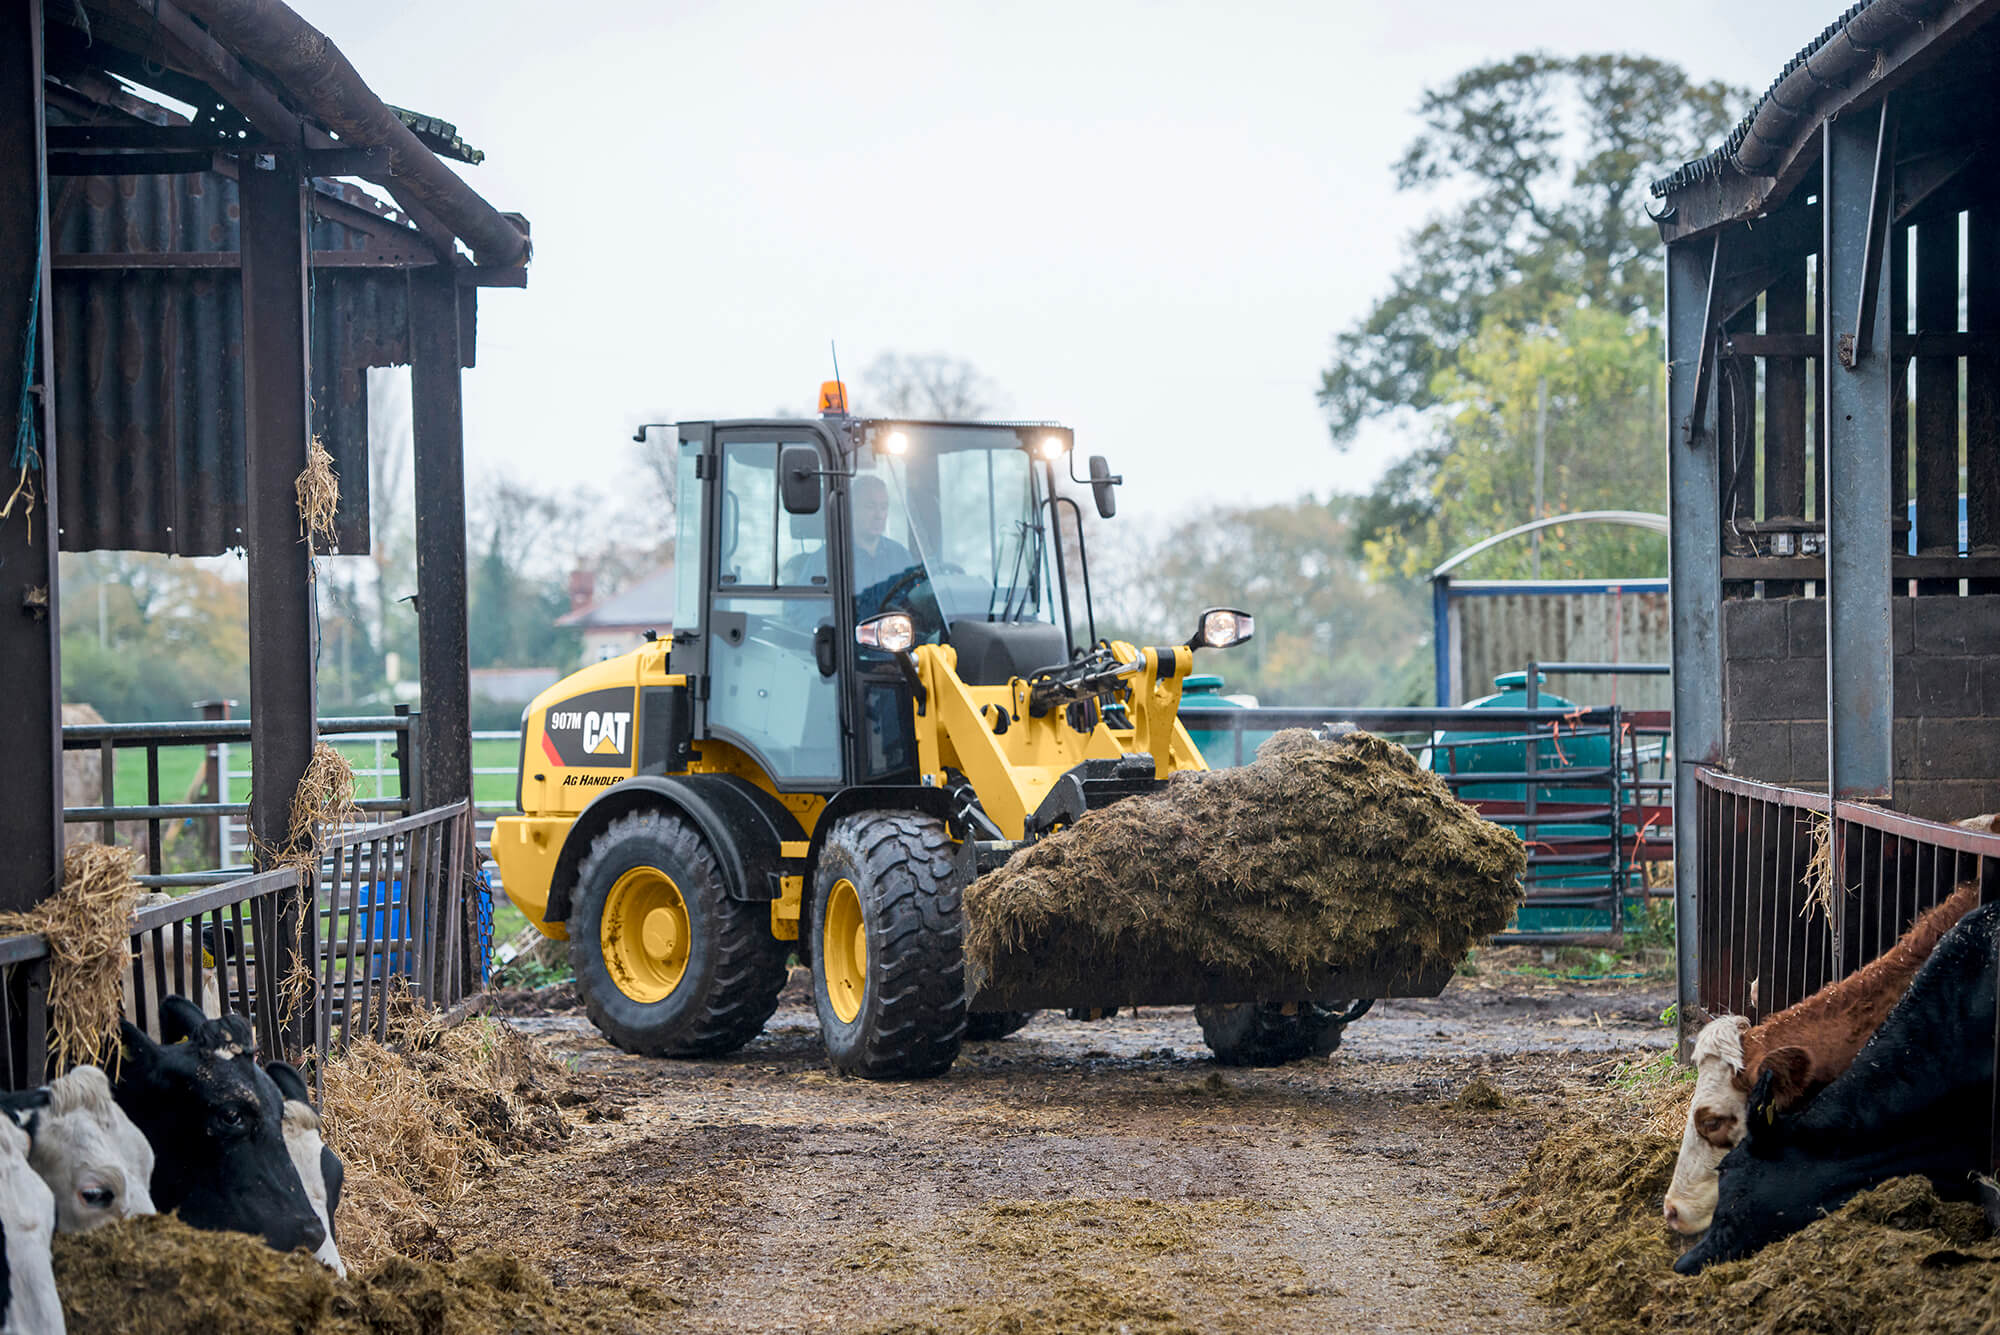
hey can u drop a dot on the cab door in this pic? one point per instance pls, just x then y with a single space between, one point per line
772 621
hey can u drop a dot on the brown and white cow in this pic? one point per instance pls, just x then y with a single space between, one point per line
1807 1046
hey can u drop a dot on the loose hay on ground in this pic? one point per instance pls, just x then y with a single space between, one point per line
416 1121
1586 1212
157 1276
1320 855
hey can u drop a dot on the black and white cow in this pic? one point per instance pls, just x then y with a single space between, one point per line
1918 1099
94 1159
28 1301
319 1168
216 1124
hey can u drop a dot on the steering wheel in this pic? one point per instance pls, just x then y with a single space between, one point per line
911 592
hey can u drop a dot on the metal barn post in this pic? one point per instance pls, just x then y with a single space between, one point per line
31 731
1695 544
438 428
277 425
1855 194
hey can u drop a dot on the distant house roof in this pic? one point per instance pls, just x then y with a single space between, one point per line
512 685
646 605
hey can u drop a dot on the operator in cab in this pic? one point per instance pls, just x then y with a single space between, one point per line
880 562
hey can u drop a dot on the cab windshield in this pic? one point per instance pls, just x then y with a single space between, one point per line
946 525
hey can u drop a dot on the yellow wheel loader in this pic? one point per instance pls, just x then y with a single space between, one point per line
873 689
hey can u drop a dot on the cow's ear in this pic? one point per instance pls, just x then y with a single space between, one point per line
1761 1120
135 1044
289 1082
180 1019
1790 1070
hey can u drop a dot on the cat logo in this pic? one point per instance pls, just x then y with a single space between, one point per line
593 730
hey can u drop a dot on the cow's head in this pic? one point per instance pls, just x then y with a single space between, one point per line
27 1219
1766 1188
215 1122
1714 1123
94 1159
319 1168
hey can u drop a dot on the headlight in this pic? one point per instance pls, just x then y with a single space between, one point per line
1222 627
897 442
1052 447
892 632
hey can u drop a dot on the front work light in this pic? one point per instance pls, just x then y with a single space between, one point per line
891 632
1052 447
1222 627
897 442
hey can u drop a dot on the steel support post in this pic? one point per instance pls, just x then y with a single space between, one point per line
277 427
1860 657
31 828
1441 639
1695 552
438 427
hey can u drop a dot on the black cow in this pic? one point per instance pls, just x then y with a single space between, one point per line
1918 1099
215 1122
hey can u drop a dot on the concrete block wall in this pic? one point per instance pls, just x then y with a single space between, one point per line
1947 698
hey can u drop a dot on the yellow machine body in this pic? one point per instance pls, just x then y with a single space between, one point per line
580 741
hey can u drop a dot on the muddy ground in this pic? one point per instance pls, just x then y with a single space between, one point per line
1077 1176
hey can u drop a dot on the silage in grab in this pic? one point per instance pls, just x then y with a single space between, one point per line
1321 855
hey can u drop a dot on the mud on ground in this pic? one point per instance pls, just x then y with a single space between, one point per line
1076 1176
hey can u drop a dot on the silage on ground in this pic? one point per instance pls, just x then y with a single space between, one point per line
1321 855
1586 1212
157 1276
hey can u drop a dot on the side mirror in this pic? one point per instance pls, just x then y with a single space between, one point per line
1102 480
798 479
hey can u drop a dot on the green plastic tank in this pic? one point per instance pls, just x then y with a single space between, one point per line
1217 747
1511 757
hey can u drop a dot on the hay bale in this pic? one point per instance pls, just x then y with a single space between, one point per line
1320 855
156 1276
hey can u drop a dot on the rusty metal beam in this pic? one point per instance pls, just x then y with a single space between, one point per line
333 93
31 829
438 468
277 425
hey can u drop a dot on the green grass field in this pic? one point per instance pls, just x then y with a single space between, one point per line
179 765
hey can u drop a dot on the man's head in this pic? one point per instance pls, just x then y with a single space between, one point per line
871 509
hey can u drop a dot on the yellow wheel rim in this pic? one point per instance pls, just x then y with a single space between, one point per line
645 934
843 951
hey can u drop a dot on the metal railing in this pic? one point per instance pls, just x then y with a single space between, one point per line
1767 935
1576 819
390 910
216 818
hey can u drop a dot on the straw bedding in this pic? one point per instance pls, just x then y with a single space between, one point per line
1321 855
419 1119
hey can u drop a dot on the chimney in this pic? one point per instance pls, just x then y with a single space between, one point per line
582 590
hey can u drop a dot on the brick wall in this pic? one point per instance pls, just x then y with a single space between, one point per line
1947 698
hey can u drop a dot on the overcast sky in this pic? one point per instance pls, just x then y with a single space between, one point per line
1146 220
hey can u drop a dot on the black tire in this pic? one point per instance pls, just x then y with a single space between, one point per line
1261 1034
989 1025
734 968
907 1016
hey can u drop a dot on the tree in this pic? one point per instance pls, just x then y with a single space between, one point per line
1601 372
1551 154
932 385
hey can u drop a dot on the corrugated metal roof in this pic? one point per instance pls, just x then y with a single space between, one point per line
149 363
1712 162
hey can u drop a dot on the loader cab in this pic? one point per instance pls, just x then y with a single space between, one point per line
805 529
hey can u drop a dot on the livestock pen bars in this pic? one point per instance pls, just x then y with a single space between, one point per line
388 919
